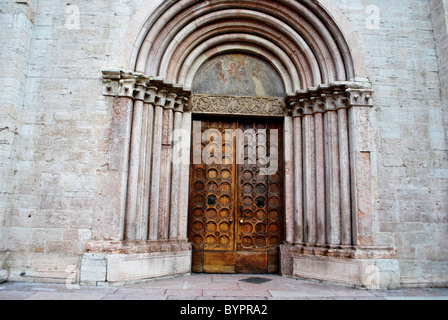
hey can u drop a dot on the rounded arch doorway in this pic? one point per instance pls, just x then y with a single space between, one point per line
236 211
239 54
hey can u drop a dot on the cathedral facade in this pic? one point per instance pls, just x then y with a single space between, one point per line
152 138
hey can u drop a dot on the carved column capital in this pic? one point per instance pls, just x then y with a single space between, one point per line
141 82
161 97
170 101
126 88
341 95
150 94
360 97
297 109
180 104
138 86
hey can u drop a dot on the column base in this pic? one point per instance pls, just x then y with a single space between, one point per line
122 262
359 267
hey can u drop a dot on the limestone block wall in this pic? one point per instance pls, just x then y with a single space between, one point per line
16 27
410 169
61 130
55 128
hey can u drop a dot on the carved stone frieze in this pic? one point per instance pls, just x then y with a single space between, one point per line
230 105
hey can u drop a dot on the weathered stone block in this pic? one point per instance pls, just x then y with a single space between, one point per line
372 274
136 267
93 268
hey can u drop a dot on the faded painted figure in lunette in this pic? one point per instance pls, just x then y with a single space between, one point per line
238 75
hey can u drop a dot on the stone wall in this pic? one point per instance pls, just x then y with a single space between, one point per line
55 128
411 163
16 29
61 128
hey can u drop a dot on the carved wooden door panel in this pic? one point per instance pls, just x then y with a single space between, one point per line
260 223
212 200
235 221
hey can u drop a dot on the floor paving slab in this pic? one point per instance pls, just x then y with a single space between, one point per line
214 287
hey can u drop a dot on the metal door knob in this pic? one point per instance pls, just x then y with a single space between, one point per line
241 221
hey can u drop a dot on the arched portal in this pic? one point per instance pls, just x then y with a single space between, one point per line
299 51
298 36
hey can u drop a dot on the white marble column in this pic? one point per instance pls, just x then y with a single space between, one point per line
184 179
176 168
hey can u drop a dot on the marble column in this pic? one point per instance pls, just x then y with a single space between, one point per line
184 179
156 165
289 178
134 191
309 179
134 167
320 178
332 179
344 162
298 178
165 168
144 185
133 195
176 167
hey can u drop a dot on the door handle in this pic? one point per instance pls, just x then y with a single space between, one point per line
231 220
241 221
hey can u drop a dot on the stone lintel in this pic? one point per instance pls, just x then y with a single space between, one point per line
241 106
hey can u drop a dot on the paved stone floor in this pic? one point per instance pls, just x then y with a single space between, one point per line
215 287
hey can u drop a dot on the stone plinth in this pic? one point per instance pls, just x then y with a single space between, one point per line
360 267
120 262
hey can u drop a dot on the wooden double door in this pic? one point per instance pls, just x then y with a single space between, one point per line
236 196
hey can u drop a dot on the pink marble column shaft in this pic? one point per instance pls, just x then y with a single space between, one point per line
320 178
309 179
298 181
332 181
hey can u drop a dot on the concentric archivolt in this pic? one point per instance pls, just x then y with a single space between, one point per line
298 38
